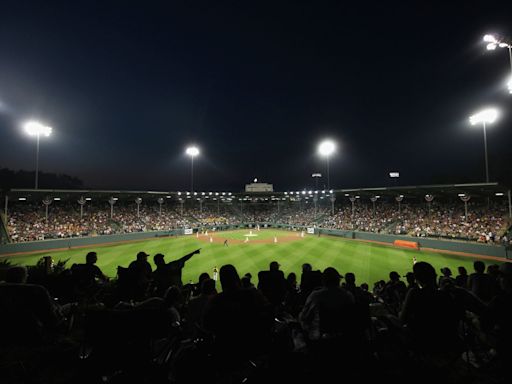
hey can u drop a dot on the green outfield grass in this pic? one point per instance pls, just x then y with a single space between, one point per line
370 262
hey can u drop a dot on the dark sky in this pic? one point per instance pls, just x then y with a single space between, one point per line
126 86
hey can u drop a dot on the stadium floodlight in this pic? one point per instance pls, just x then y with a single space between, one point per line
486 116
325 149
22 199
394 175
490 39
499 194
35 128
192 151
494 42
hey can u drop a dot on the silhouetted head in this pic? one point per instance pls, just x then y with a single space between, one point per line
16 275
331 277
350 278
394 276
158 259
91 258
462 271
202 277
229 278
208 287
479 266
447 272
409 276
365 287
307 267
274 266
142 256
425 274
292 278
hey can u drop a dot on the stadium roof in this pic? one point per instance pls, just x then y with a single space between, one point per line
444 190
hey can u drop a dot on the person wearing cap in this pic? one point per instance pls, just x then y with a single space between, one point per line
272 284
169 274
140 272
394 291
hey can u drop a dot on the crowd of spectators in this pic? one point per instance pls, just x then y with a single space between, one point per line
483 224
146 325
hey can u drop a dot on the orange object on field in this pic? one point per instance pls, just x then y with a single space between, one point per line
406 244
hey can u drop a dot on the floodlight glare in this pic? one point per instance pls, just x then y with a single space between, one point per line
192 151
34 128
491 46
509 85
490 39
326 148
486 116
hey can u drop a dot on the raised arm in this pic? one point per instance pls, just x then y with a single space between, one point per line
189 256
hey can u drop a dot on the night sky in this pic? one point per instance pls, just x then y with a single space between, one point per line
256 85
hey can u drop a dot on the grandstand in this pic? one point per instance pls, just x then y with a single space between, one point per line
466 212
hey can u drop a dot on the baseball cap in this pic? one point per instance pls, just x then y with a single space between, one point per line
394 274
142 254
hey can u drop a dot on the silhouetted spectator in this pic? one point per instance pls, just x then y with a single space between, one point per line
432 316
140 275
28 312
446 279
329 311
240 319
482 285
169 274
498 319
309 280
394 291
197 306
272 284
461 280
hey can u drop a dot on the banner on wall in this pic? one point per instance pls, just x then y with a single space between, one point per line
311 230
188 231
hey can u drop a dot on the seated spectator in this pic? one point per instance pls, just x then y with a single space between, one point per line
28 312
461 280
394 291
240 319
246 281
483 285
497 321
309 280
87 276
446 279
197 306
329 311
140 271
272 284
432 316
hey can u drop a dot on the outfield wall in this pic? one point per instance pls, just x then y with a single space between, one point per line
442 245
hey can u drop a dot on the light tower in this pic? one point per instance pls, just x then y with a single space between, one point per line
325 149
486 116
34 128
192 151
494 42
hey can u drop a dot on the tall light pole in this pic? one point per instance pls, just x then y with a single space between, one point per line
494 42
486 116
34 128
192 151
325 149
316 176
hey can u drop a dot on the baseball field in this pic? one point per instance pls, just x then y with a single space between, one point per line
252 251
